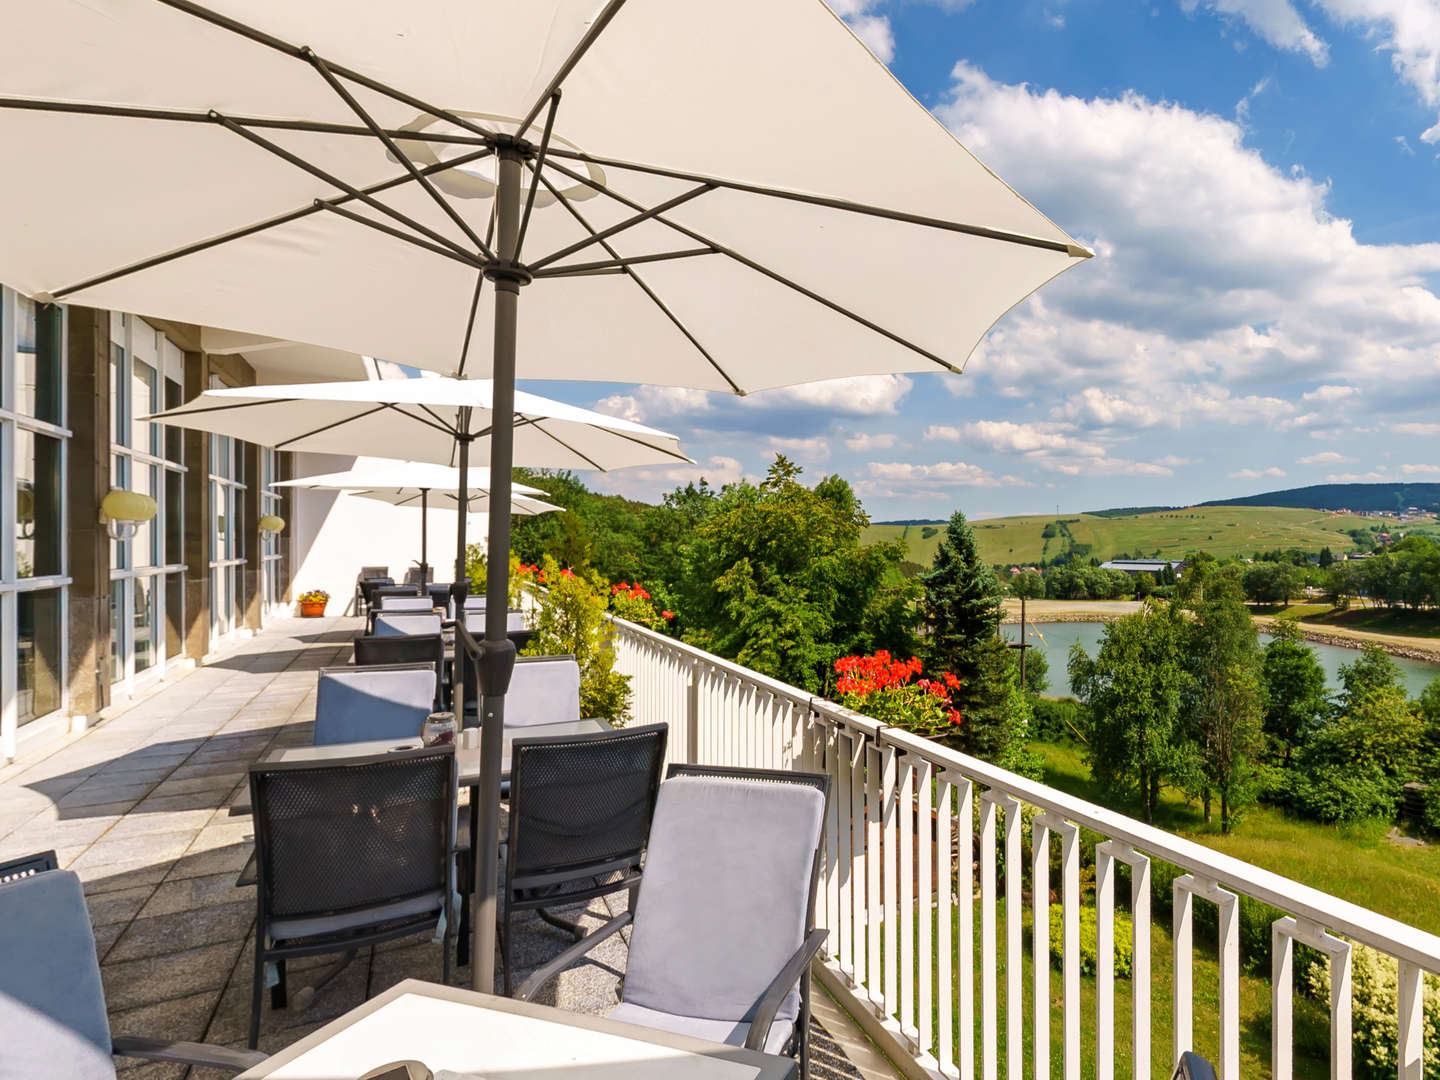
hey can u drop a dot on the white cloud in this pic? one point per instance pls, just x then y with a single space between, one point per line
647 402
1409 30
814 449
1221 282
1275 21
1055 20
1420 470
1170 461
1256 474
1404 144
1325 457
862 395
1331 394
874 30
1242 107
1415 429
861 441
940 474
650 482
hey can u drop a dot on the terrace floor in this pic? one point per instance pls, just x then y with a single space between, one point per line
139 807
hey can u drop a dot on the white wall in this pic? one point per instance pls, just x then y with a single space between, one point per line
335 534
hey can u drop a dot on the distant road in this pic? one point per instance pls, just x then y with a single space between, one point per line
1068 610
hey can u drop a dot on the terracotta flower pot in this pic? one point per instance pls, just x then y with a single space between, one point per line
312 609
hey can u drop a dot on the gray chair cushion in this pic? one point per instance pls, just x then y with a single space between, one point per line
475 620
543 690
361 704
720 1031
407 603
406 622
724 899
310 925
52 1006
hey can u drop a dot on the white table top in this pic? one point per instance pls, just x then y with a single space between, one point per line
497 1038
467 760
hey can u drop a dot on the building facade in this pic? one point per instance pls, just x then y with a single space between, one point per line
91 613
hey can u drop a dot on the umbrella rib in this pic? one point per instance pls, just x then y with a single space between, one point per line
399 234
621 226
649 292
251 230
401 156
183 116
440 426
474 307
437 417
535 179
617 266
349 189
330 427
765 271
983 231
270 41
581 48
580 454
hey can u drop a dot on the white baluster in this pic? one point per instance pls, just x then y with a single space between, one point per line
1040 935
927 911
1228 1065
989 1024
905 809
874 868
1411 1009
890 842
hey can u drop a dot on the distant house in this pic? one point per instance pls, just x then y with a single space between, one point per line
1144 566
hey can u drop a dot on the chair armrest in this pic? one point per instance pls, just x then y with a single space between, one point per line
188 1053
1192 1066
775 993
543 975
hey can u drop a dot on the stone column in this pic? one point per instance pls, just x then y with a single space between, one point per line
197 519
249 540
87 362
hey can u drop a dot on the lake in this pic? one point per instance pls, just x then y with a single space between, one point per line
1056 639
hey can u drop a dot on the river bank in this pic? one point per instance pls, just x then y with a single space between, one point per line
1081 611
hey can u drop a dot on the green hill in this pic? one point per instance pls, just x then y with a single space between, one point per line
1221 530
1371 497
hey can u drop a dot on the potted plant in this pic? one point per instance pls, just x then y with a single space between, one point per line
312 603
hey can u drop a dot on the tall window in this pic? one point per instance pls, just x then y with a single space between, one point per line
33 442
272 565
227 531
147 580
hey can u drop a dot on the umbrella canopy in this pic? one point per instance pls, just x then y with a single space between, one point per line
421 483
728 203
805 220
430 418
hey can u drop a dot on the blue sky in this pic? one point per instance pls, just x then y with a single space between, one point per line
1261 182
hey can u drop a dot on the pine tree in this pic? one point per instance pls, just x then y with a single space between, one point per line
962 602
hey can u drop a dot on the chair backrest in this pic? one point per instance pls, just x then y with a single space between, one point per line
475 603
52 1004
360 704
406 622
392 589
439 593
543 690
367 572
406 603
475 620
412 575
342 835
403 649
582 801
729 890
27 866
369 585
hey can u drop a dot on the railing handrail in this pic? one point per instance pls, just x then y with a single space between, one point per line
1389 935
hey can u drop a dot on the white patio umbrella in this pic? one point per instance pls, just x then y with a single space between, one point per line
729 198
415 483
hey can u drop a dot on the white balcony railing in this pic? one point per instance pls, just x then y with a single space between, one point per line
911 980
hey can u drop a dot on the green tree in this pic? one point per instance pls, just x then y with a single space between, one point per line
774 576
1272 582
1029 584
961 606
571 619
994 709
1295 692
1224 699
1133 690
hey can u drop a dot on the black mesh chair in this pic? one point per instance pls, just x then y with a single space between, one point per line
366 704
368 584
53 1020
439 594
390 623
28 866
408 649
580 810
1192 1066
724 924
350 853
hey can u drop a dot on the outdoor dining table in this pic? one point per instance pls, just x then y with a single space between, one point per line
496 1038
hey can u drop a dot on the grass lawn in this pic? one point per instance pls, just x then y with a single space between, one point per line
1355 863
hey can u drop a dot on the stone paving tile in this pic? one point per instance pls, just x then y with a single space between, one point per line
133 983
184 930
149 844
230 859
117 906
192 893
179 1018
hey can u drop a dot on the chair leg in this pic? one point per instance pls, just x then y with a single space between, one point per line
503 933
804 1022
575 930
257 994
278 998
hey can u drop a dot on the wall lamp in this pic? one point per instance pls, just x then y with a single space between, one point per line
271 525
122 512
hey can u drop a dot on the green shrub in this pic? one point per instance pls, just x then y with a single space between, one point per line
1374 1028
1124 941
1057 720
570 618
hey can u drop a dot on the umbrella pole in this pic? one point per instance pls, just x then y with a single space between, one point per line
498 653
424 547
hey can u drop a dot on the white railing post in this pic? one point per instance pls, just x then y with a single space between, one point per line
905 808
1040 938
1107 854
1411 1008
1283 935
1228 958
927 839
